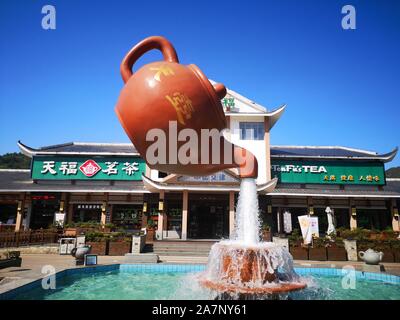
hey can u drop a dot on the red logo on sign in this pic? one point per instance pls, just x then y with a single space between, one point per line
90 168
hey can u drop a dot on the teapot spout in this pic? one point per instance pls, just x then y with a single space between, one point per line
247 162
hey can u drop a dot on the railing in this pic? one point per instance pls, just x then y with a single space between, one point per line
24 238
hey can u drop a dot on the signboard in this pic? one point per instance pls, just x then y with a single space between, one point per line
87 168
314 228
305 226
287 222
309 228
328 172
217 177
59 219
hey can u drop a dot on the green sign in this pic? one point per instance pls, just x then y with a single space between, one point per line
87 168
328 172
228 102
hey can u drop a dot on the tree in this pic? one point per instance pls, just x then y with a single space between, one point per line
14 161
393 172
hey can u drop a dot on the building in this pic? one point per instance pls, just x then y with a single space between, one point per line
111 183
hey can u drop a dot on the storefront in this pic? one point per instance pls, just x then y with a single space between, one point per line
44 206
8 215
110 183
208 216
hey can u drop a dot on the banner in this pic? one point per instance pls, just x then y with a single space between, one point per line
305 226
287 222
59 219
314 226
309 228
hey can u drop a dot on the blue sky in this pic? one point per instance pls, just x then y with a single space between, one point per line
341 87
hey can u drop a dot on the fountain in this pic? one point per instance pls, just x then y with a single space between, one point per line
244 267
165 91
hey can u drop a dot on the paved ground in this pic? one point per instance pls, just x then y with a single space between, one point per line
32 265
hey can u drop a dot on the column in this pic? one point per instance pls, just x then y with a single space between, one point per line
70 213
231 212
267 127
20 212
64 205
310 205
28 215
184 214
144 212
395 219
104 206
353 219
160 226
110 211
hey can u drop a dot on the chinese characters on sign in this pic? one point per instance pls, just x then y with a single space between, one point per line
228 103
74 168
333 172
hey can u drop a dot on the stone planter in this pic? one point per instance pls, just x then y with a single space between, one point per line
318 254
98 248
351 249
150 235
336 253
71 232
299 253
119 248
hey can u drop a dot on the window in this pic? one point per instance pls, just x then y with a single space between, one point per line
251 130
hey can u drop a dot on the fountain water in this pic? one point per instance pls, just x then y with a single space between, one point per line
244 266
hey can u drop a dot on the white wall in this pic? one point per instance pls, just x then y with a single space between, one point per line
257 147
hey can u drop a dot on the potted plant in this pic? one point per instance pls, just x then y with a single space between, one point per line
70 230
351 238
108 227
385 247
317 251
335 250
150 236
119 244
296 247
98 242
266 232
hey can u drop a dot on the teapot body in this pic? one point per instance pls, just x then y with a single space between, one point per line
371 256
164 98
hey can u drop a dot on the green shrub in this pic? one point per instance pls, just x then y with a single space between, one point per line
295 236
356 234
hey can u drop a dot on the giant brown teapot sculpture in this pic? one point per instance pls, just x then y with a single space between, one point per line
170 96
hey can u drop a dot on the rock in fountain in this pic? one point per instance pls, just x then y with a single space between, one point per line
244 265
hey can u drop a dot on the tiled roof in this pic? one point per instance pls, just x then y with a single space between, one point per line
328 152
314 152
82 148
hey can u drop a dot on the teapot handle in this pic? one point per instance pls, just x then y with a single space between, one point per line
150 43
361 254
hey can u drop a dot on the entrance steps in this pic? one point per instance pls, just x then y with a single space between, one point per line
180 248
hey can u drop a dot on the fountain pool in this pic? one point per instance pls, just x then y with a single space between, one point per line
244 266
167 281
